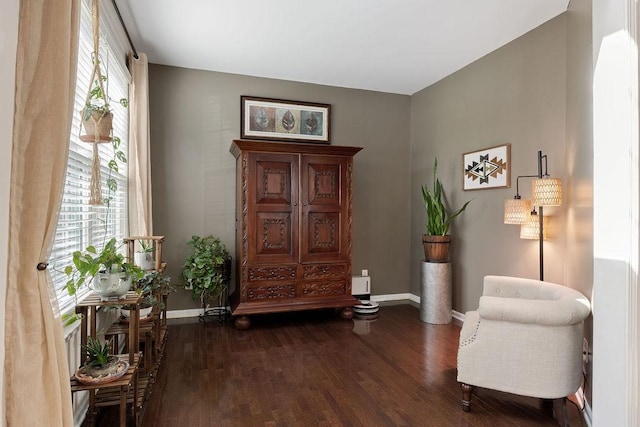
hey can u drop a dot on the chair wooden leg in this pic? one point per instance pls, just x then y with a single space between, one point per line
560 411
466 396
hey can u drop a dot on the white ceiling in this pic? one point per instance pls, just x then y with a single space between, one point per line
396 46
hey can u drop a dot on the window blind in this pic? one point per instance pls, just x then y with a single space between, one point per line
80 224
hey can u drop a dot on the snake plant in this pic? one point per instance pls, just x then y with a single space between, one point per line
438 217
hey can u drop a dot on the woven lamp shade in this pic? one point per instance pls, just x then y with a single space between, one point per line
531 228
546 192
516 211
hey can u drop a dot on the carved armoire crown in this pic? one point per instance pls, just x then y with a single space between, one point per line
293 228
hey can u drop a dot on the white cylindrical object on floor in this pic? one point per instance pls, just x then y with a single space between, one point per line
435 296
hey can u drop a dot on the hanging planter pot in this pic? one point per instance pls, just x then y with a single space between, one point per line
97 125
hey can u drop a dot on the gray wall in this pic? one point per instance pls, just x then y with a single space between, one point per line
532 93
196 114
535 93
514 95
579 158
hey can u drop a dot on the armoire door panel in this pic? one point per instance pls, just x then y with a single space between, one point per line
273 182
273 236
323 183
324 231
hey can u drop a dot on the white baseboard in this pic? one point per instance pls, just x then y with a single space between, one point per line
181 314
413 298
395 297
195 312
458 316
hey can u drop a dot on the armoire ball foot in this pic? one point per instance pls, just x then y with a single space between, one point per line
346 313
293 228
242 322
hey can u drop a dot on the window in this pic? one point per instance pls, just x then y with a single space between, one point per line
80 224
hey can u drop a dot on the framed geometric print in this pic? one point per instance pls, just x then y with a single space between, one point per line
487 168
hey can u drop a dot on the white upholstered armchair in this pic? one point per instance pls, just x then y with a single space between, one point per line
525 338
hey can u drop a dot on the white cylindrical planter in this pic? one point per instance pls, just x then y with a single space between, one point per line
435 296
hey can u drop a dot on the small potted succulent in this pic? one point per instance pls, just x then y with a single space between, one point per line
99 361
100 366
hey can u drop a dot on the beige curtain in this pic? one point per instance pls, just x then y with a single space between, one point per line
140 216
36 373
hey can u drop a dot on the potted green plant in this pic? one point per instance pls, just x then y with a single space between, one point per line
97 117
436 241
151 286
207 269
97 125
111 271
144 257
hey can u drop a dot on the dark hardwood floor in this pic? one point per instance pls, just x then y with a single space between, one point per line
313 369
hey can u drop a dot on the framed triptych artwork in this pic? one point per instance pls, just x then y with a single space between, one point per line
278 119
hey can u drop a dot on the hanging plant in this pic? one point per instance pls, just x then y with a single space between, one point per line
97 120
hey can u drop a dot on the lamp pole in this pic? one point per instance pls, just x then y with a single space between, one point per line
540 223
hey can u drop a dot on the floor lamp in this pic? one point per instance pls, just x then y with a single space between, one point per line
545 191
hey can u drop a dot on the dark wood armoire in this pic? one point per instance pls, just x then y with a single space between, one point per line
293 228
